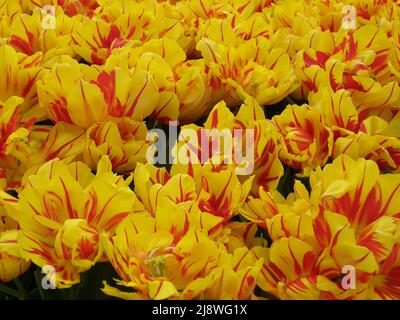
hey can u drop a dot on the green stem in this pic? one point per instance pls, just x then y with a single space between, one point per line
73 292
18 283
11 292
39 284
290 100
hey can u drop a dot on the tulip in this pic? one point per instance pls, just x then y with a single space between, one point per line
158 264
306 141
116 93
62 211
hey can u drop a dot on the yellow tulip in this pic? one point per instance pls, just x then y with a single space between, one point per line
216 139
159 262
194 90
306 141
217 192
348 218
62 210
14 135
27 35
291 271
236 278
68 88
357 61
122 140
251 69
19 73
12 264
94 40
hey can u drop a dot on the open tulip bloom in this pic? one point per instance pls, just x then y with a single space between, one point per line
200 149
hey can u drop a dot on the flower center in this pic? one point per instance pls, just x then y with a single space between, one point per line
156 262
156 266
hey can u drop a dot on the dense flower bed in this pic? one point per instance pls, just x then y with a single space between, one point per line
316 83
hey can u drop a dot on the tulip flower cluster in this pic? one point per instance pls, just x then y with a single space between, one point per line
311 210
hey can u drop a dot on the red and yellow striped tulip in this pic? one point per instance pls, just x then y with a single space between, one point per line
158 264
251 69
123 140
68 88
306 141
62 210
